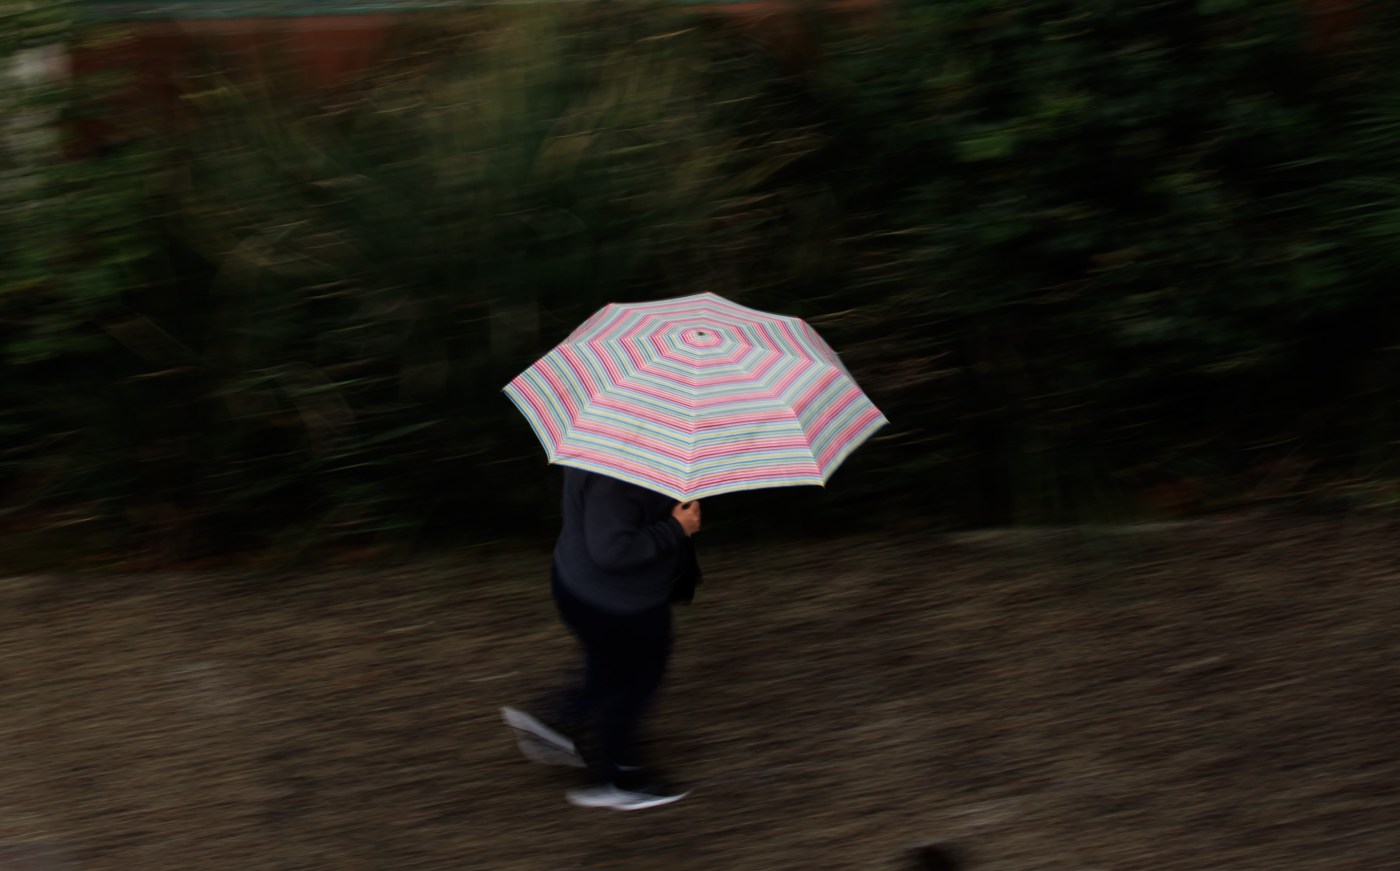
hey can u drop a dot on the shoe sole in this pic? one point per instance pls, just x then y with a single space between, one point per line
618 801
539 743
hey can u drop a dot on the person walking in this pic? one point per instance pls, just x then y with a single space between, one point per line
623 557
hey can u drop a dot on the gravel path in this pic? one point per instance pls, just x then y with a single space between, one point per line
1211 695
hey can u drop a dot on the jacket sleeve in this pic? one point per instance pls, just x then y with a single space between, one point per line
618 533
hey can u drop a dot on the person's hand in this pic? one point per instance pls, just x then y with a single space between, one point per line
688 513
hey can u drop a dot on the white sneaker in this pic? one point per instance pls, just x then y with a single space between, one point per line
542 753
615 798
539 742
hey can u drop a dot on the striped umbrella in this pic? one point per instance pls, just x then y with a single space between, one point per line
696 396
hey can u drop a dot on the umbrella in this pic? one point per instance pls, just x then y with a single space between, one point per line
696 396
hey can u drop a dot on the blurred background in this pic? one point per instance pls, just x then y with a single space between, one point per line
265 266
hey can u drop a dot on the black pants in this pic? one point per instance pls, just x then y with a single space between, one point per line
625 658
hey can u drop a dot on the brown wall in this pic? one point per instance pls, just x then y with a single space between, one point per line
327 52
319 53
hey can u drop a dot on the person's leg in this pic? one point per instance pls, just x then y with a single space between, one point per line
582 703
627 660
625 657
635 667
551 728
569 702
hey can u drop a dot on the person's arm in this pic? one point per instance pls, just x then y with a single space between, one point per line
616 531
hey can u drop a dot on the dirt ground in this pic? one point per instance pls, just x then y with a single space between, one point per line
1208 695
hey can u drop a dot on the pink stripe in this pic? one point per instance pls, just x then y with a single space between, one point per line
798 470
839 408
801 402
617 401
540 407
686 422
642 413
701 382
785 383
651 331
835 410
561 389
747 417
716 452
666 351
597 317
793 341
597 428
607 431
858 426
626 341
793 472
696 402
666 481
646 329
583 372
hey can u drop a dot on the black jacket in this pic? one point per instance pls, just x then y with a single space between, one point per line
620 549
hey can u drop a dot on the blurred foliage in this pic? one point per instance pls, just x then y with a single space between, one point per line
361 270
1093 259
386 262
1114 247
75 238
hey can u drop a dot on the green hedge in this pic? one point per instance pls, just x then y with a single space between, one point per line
1082 254
1131 245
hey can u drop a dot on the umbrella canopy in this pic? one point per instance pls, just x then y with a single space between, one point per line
696 396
